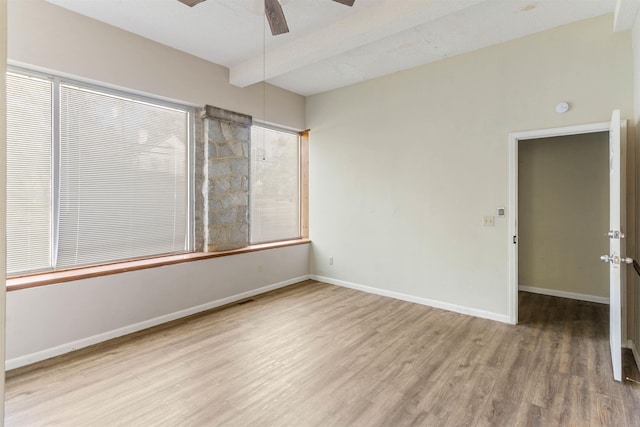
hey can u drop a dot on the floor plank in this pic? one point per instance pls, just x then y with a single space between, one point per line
319 355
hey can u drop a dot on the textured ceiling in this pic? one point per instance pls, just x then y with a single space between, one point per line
331 45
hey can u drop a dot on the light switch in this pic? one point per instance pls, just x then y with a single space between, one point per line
488 221
500 212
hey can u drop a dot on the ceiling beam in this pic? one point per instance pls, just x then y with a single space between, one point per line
365 26
625 14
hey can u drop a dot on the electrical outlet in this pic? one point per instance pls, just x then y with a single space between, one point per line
330 260
488 221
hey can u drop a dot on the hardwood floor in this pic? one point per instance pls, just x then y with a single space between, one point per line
318 355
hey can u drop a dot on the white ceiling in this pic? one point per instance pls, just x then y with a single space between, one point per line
331 45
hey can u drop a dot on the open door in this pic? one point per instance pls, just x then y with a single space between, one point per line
615 259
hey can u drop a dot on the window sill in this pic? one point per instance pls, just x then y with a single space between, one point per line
51 278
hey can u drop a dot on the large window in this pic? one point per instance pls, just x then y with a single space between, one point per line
93 176
274 185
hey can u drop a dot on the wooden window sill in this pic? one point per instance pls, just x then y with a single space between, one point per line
15 283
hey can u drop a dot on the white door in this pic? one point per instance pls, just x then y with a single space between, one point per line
615 258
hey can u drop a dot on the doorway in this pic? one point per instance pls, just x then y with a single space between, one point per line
514 140
563 209
616 257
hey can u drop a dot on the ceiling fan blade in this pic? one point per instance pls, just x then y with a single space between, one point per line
275 16
345 2
191 3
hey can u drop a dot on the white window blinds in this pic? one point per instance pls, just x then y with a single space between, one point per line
29 144
123 178
93 176
274 185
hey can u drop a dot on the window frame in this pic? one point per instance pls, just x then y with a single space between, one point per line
57 81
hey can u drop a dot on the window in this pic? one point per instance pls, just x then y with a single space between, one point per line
107 180
274 185
29 138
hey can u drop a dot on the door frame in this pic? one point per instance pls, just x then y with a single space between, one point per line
514 138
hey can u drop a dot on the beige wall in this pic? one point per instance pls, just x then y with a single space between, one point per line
47 36
404 167
3 115
563 213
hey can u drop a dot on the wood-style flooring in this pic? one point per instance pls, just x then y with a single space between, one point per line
319 355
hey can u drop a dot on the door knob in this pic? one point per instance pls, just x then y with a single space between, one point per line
616 259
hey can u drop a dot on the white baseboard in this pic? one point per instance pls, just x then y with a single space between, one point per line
563 294
95 339
418 300
632 345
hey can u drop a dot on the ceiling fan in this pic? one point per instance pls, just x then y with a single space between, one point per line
273 12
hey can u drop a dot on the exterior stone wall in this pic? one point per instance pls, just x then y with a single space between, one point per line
224 181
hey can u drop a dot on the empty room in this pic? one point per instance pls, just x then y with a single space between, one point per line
320 212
